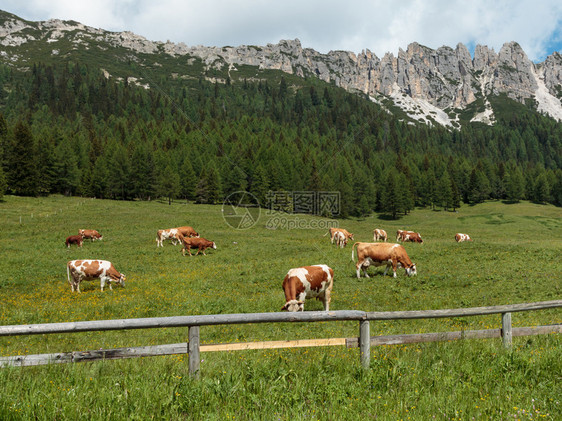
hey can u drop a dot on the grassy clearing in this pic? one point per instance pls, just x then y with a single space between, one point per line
515 257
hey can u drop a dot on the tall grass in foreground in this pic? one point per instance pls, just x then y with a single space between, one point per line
515 257
463 380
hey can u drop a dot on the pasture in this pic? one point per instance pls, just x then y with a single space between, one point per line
514 258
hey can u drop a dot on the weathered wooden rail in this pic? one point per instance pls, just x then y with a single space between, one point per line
193 347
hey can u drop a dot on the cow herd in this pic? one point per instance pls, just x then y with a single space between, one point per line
300 283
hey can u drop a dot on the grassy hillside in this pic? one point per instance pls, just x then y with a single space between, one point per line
515 258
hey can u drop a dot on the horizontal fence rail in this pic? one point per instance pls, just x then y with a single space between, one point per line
193 346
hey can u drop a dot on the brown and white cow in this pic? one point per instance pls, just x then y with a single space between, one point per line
309 281
187 231
73 239
90 234
341 239
345 232
378 254
405 236
201 244
170 233
379 234
103 270
462 237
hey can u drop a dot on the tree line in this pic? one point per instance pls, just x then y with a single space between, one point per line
72 131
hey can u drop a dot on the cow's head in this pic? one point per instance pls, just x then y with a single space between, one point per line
412 271
293 306
214 245
122 280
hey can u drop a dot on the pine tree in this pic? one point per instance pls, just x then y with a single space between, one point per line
392 200
46 166
541 192
260 185
169 183
445 191
202 189
214 186
119 178
142 172
478 187
188 181
3 182
514 184
22 171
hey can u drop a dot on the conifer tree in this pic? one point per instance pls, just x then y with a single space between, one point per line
22 171
541 191
3 182
260 185
445 193
214 186
392 200
169 183
514 184
188 181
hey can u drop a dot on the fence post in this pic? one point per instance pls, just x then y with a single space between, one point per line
193 349
365 343
506 330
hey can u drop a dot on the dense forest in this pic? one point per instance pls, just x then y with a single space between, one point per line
71 130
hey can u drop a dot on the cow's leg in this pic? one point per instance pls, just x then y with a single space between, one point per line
327 298
102 283
358 268
394 264
386 269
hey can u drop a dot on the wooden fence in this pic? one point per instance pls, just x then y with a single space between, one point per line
193 347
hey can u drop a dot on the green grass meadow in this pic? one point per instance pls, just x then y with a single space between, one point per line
515 258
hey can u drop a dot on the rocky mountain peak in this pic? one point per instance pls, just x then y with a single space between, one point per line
430 85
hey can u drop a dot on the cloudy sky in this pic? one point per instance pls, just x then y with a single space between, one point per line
354 25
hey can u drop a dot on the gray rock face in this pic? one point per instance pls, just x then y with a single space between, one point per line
446 78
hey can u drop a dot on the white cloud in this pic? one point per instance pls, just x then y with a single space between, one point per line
354 25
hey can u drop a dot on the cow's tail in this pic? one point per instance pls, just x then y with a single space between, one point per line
352 247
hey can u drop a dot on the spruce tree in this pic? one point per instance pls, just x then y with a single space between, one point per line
214 187
541 192
169 183
188 181
20 158
260 185
3 182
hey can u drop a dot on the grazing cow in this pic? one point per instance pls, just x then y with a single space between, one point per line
187 232
341 239
378 254
333 231
91 234
170 233
200 244
462 237
92 269
379 234
74 239
412 236
308 281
